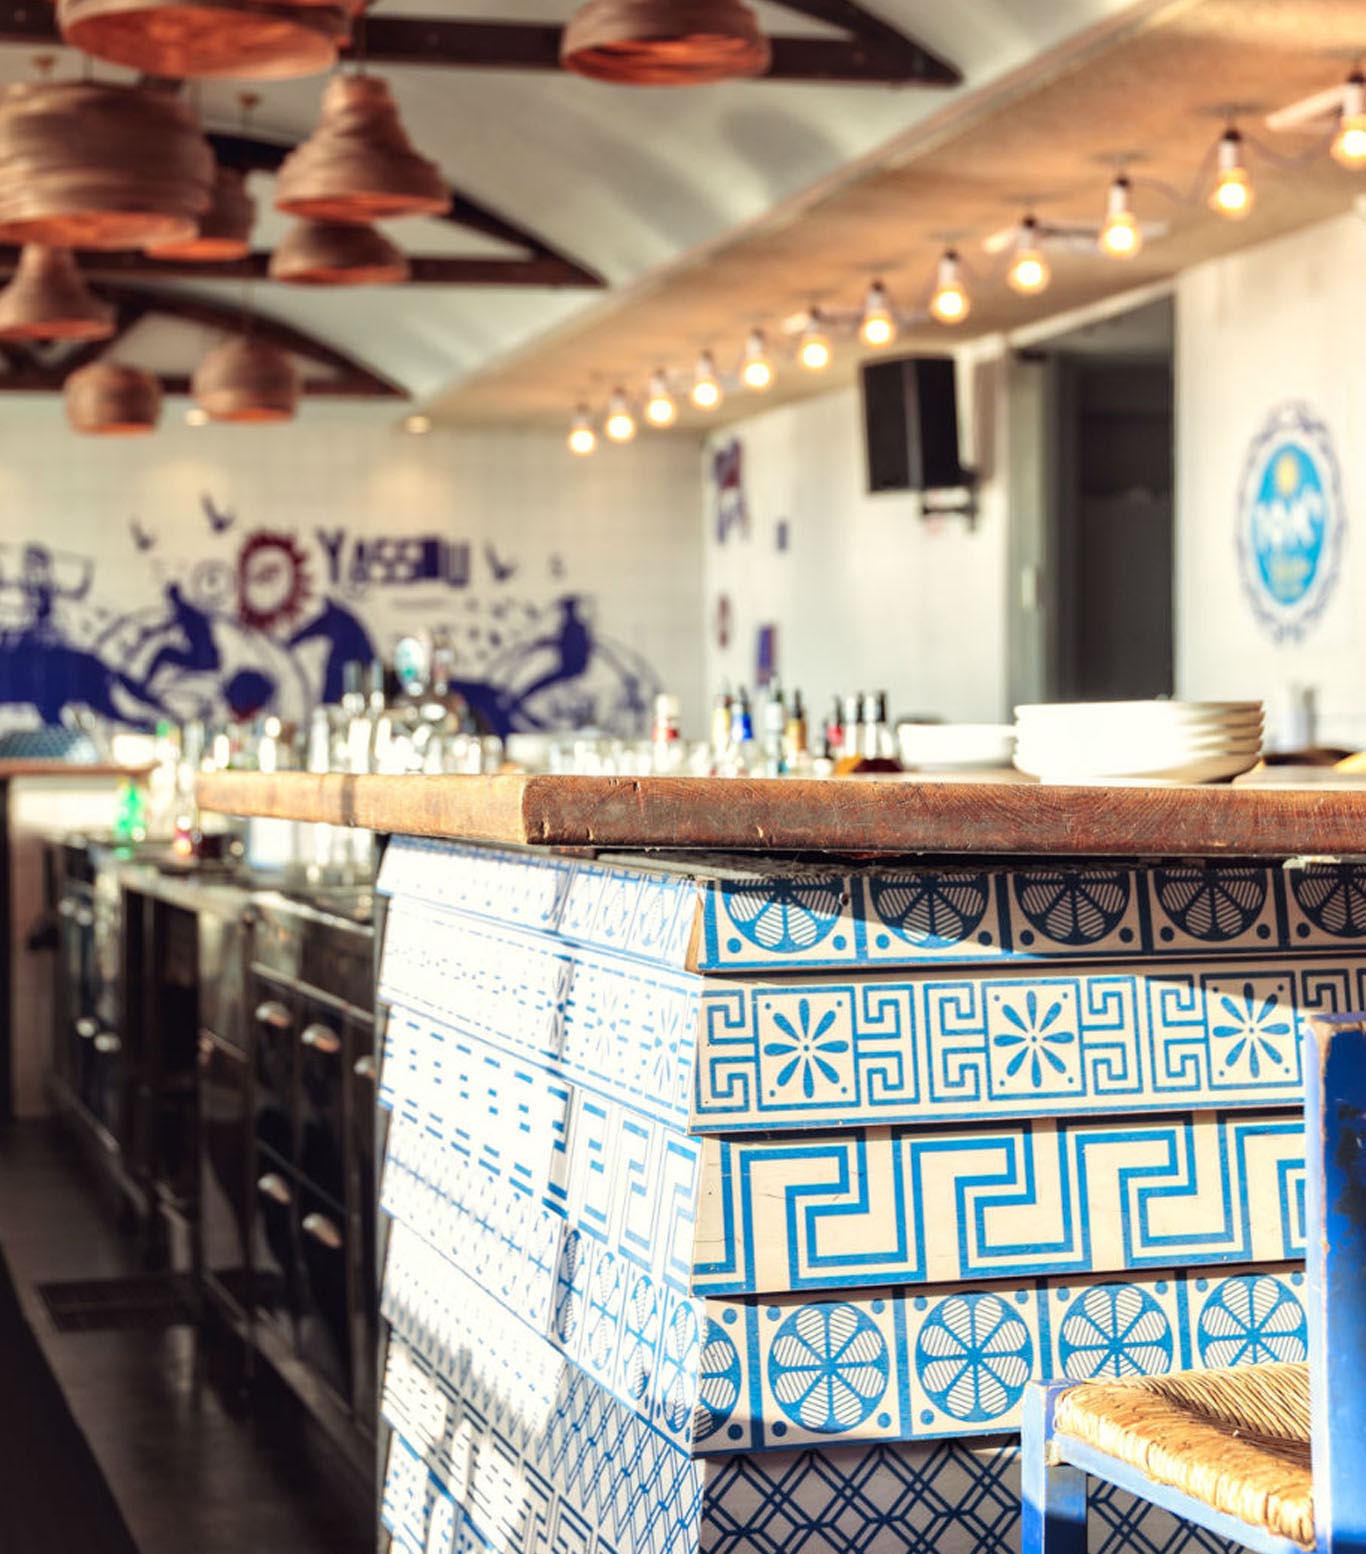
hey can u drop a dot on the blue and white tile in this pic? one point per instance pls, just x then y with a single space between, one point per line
812 1052
646 914
627 1031
915 917
951 1205
914 1364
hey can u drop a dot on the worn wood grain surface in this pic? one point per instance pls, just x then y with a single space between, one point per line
795 815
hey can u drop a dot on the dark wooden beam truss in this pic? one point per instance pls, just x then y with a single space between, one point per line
39 370
870 52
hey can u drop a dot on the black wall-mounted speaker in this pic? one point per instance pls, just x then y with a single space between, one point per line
910 423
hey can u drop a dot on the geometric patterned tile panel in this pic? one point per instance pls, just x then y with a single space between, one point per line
909 917
953 1204
909 1364
1154 1036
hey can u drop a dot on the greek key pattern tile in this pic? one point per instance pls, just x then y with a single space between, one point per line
627 1031
909 1364
1031 1199
921 917
929 1498
645 914
925 1047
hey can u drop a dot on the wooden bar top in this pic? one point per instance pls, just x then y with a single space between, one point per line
848 816
28 769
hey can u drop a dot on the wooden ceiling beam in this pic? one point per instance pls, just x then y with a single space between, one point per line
868 56
52 380
427 269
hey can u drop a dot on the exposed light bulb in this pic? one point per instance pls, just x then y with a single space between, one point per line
757 371
1232 195
1120 235
620 424
196 416
706 388
877 329
813 349
661 409
950 303
583 440
418 425
1029 271
1349 144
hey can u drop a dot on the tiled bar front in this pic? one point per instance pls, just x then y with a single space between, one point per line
733 1204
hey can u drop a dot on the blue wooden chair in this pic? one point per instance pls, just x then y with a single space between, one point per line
1269 1456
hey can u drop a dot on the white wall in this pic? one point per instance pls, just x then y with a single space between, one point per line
620 531
868 594
1282 322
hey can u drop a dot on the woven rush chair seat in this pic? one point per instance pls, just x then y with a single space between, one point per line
1236 1440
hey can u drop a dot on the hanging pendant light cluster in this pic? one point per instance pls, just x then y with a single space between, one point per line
246 380
107 399
87 165
47 300
223 232
204 39
664 42
337 253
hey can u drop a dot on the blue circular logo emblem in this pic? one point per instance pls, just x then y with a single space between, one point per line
1291 522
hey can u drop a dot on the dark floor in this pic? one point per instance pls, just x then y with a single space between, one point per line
195 1462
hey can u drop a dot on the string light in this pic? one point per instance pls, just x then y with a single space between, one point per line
877 329
661 409
1029 273
950 303
195 416
813 349
583 440
756 372
1232 195
1349 144
417 425
706 389
1120 237
620 424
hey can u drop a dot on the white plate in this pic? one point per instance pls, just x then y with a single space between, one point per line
1122 754
1171 709
1214 770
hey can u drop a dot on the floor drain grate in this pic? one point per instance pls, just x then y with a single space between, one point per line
144 1301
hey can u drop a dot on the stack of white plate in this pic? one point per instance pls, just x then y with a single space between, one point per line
1138 741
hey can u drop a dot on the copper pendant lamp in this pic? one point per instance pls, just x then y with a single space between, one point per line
664 42
106 399
88 165
337 253
48 300
209 38
246 380
358 165
223 231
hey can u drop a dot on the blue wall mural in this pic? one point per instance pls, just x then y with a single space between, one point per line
246 619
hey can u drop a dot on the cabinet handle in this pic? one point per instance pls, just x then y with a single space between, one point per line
275 1187
106 1042
273 1012
322 1038
323 1231
86 1027
365 1068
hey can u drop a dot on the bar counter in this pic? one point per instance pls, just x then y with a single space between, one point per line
751 1144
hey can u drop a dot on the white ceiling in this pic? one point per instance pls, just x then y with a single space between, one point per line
623 179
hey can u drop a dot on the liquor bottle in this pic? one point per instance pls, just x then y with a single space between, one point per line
720 729
851 718
834 731
885 735
795 734
740 752
667 749
868 734
775 727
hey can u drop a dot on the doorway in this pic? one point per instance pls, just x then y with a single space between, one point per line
1095 438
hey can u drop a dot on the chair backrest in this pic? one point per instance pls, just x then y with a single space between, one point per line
1335 1257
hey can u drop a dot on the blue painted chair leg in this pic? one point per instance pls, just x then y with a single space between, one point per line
1053 1493
1335 1211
